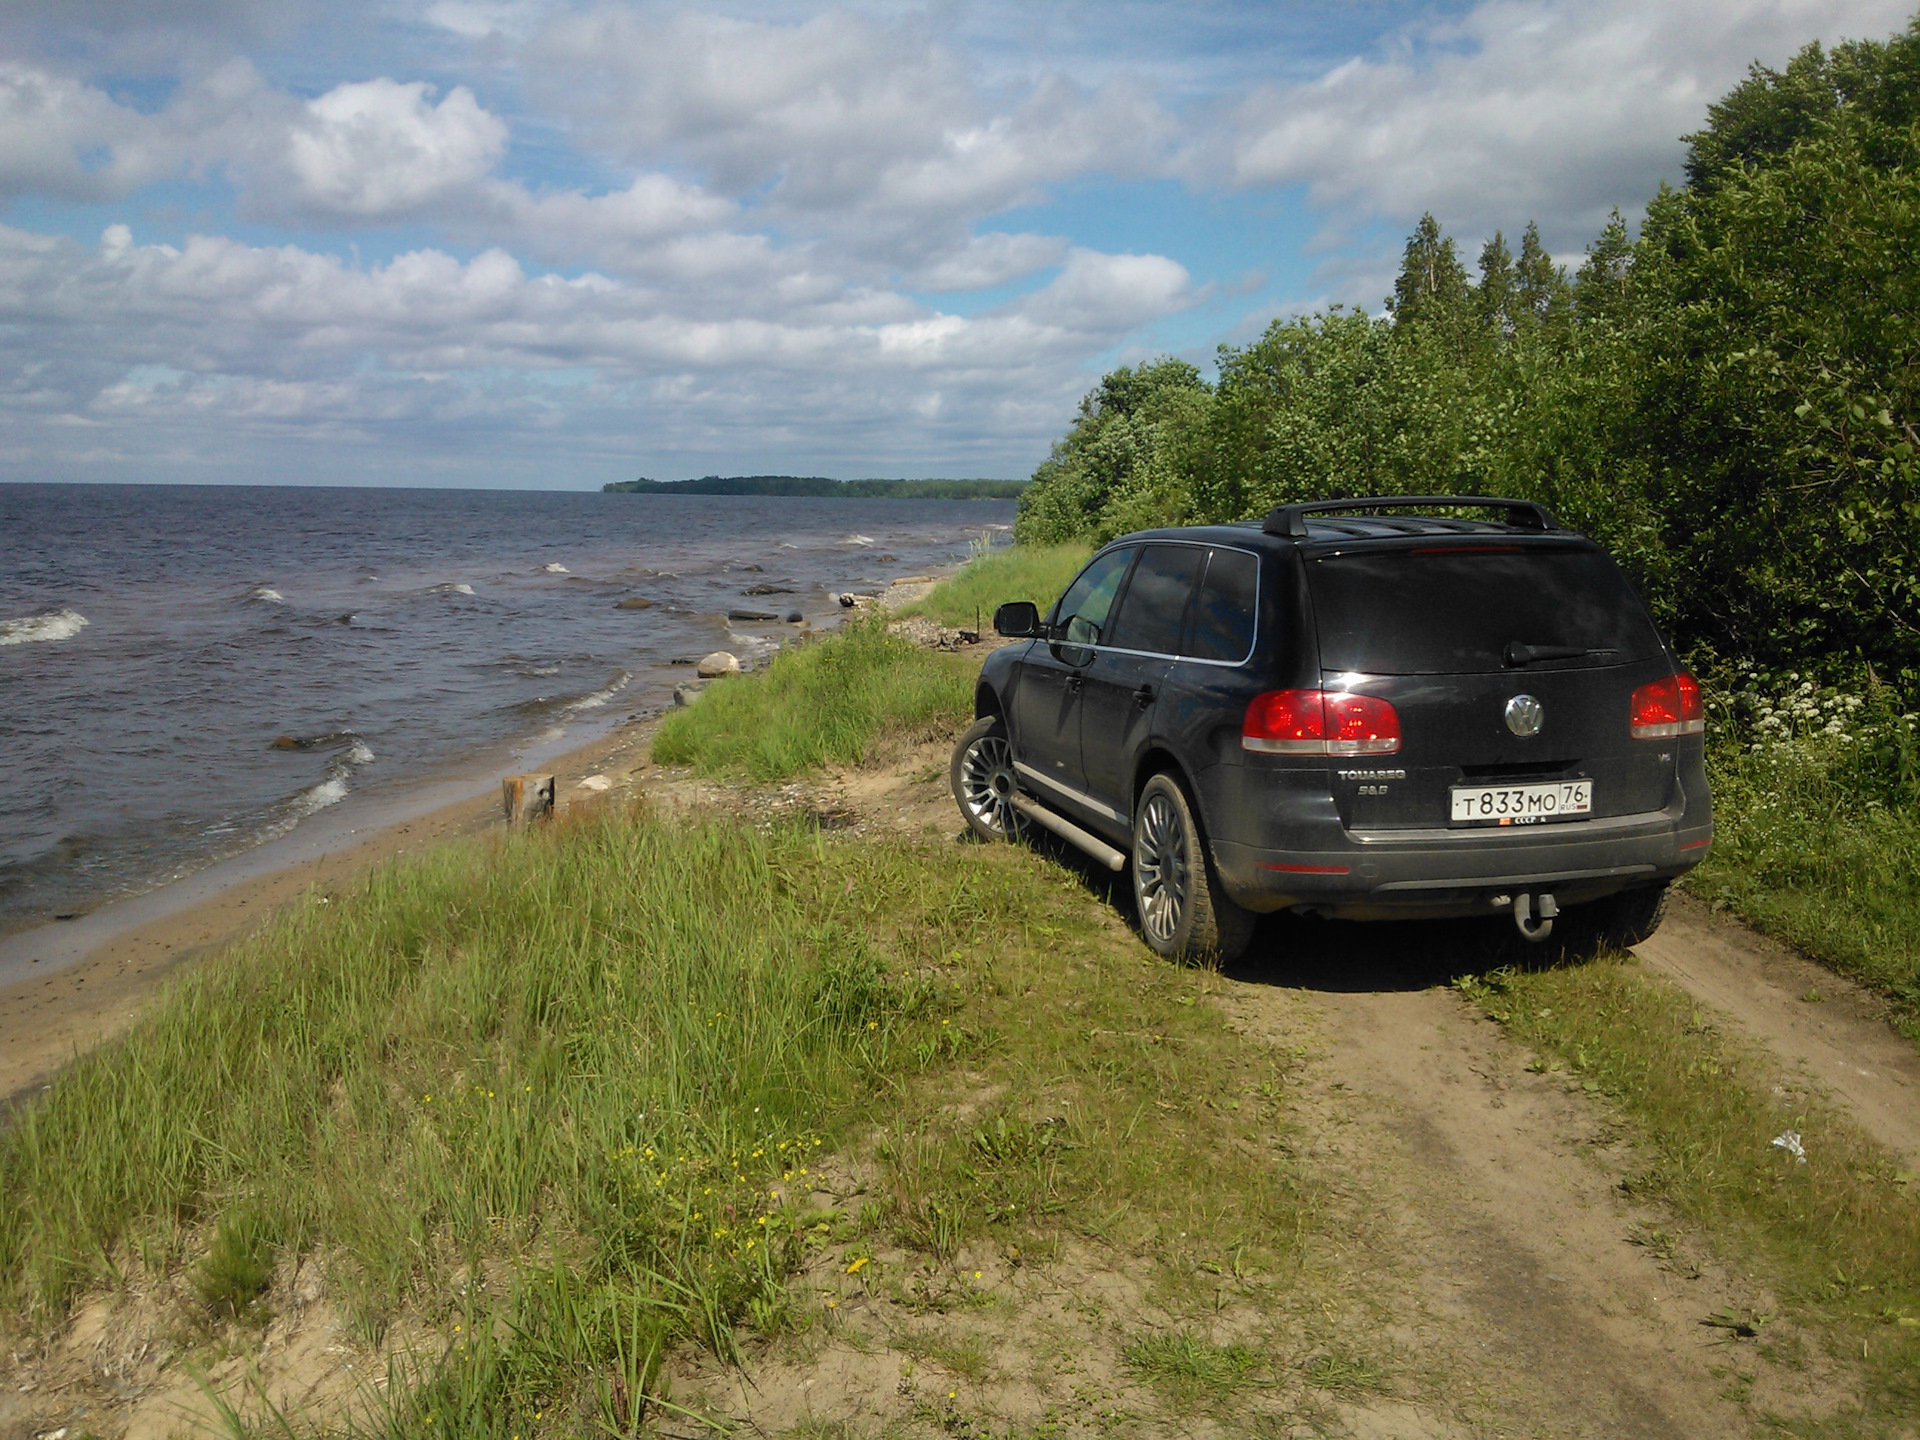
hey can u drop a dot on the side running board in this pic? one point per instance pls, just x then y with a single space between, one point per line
1071 833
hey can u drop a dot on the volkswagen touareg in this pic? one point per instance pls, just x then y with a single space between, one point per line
1360 709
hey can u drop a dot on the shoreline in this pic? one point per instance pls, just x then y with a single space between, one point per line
56 1011
94 975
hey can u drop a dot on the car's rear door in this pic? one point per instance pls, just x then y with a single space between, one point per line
1510 664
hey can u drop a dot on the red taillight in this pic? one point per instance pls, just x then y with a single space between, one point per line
1661 709
1320 722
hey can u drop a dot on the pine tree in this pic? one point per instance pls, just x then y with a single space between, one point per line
1432 285
1600 289
1495 297
1540 286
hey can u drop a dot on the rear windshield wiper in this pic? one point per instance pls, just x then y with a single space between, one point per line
1518 654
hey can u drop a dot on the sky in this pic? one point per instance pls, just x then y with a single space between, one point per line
545 244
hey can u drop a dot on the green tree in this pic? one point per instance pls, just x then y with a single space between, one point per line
1432 285
1541 293
1497 294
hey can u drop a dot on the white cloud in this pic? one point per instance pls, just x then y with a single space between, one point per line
48 125
381 149
1550 109
131 342
757 199
873 132
64 138
985 261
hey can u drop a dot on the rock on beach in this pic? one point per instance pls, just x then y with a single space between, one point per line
720 662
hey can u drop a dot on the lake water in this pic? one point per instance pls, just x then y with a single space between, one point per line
187 672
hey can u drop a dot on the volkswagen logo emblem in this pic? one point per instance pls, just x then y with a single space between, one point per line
1524 715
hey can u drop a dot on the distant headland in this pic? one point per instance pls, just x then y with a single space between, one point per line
819 485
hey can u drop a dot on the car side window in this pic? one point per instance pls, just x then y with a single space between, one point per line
1222 626
1154 609
1081 616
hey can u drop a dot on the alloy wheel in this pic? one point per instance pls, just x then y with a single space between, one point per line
1160 866
987 785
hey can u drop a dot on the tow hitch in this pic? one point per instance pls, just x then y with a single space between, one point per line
1525 909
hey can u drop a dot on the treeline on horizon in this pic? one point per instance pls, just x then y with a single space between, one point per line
819 485
1726 402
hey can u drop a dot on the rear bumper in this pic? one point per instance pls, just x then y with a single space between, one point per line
1412 874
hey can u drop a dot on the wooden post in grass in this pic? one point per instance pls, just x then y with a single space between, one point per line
527 798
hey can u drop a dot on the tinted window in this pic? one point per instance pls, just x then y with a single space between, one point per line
1454 609
1155 606
1083 609
1223 615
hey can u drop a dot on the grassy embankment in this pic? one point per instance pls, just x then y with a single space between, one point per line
551 1104
1817 810
829 703
1020 572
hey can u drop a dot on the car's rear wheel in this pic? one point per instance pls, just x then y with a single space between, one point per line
1183 911
1620 921
982 778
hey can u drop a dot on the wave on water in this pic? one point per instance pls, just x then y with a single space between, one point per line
61 624
555 569
861 540
267 595
615 684
453 587
353 752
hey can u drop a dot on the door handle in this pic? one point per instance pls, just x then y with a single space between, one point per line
1143 696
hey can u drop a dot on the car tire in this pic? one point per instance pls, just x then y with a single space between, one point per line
1184 912
981 775
1621 921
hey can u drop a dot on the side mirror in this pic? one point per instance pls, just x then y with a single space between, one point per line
1017 620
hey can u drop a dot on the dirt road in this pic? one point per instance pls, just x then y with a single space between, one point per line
1491 1192
1557 1305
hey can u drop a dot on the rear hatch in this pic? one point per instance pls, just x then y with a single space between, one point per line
1456 633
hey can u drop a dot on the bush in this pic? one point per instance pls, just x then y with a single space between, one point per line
824 703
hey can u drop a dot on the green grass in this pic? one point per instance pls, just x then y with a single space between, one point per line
1837 1239
1819 865
1191 1369
828 702
559 1099
571 1055
1022 572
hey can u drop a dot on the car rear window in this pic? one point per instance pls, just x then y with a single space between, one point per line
1223 615
1449 609
1155 607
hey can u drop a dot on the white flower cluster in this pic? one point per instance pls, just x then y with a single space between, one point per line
1788 709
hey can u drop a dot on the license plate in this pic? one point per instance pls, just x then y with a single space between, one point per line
1522 804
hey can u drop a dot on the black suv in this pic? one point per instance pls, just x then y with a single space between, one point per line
1351 711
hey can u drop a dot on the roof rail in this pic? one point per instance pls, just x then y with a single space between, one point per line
1521 514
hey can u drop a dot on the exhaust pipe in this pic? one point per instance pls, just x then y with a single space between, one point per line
1524 909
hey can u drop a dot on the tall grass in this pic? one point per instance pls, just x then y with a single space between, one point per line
1022 572
827 702
562 1101
1817 819
602 1052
